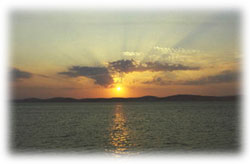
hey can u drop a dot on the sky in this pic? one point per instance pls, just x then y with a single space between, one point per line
127 53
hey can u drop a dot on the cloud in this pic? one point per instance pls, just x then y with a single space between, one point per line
102 75
168 50
191 57
174 56
126 66
157 81
223 77
18 74
122 66
99 74
132 54
157 66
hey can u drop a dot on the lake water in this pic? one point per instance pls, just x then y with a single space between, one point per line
126 127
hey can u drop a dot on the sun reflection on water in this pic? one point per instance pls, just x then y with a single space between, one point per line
119 134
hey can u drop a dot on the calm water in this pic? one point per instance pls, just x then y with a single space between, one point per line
125 128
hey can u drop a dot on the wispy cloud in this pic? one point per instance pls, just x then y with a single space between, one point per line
225 76
157 81
132 54
222 77
169 55
157 66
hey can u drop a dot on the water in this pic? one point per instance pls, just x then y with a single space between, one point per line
125 128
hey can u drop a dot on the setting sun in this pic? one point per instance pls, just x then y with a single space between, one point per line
118 89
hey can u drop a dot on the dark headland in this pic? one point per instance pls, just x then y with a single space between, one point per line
144 98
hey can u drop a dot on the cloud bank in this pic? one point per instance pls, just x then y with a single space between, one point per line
18 74
126 66
223 77
103 75
100 75
157 81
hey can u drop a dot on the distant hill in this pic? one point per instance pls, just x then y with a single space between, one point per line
144 98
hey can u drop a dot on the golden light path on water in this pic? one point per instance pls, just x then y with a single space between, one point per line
119 134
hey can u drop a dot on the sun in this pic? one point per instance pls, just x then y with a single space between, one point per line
118 89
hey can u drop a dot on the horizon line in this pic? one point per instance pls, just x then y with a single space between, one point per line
236 95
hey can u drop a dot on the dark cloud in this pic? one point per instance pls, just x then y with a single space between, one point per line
99 74
44 76
102 75
157 66
157 81
122 66
18 74
223 77
125 66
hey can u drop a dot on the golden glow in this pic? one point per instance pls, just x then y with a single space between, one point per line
118 89
197 45
119 133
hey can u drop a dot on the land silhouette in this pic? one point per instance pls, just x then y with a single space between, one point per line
134 99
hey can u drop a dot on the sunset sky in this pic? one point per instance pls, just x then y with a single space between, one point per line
126 53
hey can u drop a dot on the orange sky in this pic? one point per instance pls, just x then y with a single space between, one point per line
92 53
